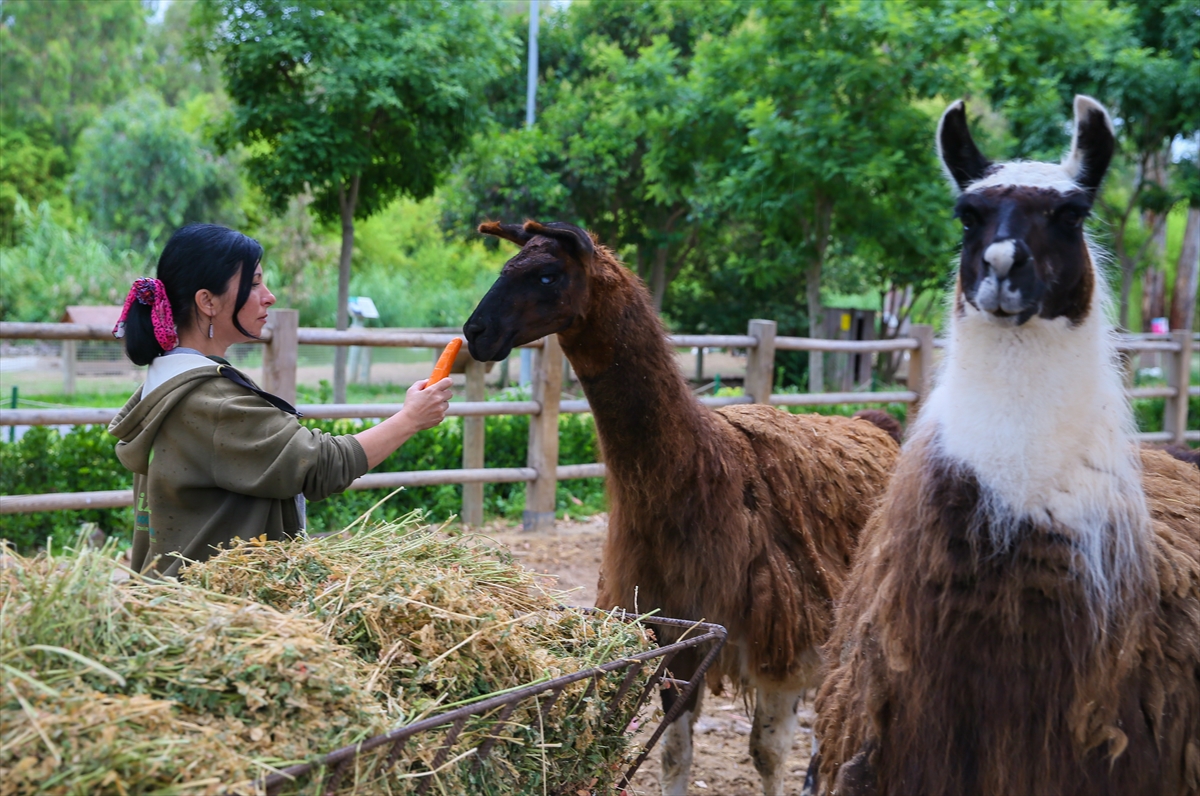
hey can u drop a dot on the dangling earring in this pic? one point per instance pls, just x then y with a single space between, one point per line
210 329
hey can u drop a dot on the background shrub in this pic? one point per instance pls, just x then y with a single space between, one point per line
84 460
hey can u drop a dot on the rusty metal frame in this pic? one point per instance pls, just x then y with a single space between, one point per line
340 761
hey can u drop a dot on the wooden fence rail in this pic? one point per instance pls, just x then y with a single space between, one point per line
283 336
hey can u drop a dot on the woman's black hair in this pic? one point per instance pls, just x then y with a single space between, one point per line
197 257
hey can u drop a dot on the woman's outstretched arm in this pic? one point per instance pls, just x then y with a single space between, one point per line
423 408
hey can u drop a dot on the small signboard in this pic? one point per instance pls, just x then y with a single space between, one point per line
363 307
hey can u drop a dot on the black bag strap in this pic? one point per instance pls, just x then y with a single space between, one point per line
274 400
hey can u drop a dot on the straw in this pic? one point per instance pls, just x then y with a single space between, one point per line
273 653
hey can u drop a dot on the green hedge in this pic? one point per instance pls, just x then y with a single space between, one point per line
84 460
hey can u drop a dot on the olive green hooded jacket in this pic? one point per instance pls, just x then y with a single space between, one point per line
214 461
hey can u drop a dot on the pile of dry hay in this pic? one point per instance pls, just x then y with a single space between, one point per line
274 653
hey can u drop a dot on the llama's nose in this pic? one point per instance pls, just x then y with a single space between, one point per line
1005 256
473 328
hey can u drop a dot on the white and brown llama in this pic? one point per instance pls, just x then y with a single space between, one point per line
745 515
1023 616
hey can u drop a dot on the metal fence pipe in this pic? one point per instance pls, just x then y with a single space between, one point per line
482 475
1134 344
86 416
711 341
28 504
831 398
1151 392
851 346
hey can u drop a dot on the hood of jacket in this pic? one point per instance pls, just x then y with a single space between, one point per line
137 424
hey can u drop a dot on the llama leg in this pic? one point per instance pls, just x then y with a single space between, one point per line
677 745
773 732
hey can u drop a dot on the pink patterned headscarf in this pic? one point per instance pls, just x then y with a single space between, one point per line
152 293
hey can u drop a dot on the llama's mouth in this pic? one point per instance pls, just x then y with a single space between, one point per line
499 350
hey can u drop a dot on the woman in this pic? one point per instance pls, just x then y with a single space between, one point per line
214 458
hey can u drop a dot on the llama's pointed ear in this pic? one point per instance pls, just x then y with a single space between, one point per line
514 232
962 160
1092 145
575 237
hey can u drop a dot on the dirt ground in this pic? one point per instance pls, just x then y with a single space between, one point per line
570 557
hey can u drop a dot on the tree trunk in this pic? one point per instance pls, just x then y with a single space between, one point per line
819 240
812 291
1154 280
346 203
1127 269
1187 274
658 277
1154 284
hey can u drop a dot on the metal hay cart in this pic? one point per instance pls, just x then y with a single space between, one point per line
335 765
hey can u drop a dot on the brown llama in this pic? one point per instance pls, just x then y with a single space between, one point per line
885 421
1023 616
1184 454
746 515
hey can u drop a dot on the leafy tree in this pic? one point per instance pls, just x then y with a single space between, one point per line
1155 84
172 64
611 147
1141 59
141 174
30 168
53 266
62 62
355 102
835 155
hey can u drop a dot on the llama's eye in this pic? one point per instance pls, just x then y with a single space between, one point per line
968 217
1070 217
549 279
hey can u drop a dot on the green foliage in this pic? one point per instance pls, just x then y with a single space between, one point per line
171 64
52 267
1031 64
440 448
416 274
141 175
45 461
65 61
612 147
357 102
836 162
84 460
30 168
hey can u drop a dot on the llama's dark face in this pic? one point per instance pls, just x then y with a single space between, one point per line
542 290
1024 253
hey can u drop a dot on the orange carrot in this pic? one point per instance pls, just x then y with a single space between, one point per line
446 361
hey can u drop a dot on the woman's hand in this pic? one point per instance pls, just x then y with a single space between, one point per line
423 408
426 407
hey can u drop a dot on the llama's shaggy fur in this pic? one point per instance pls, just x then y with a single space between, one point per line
885 421
1024 611
746 515
1185 454
961 668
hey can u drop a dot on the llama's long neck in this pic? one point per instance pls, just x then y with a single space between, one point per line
1039 414
646 416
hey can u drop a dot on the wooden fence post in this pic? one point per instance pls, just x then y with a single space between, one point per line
280 353
920 363
1175 410
543 436
473 443
70 358
760 364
